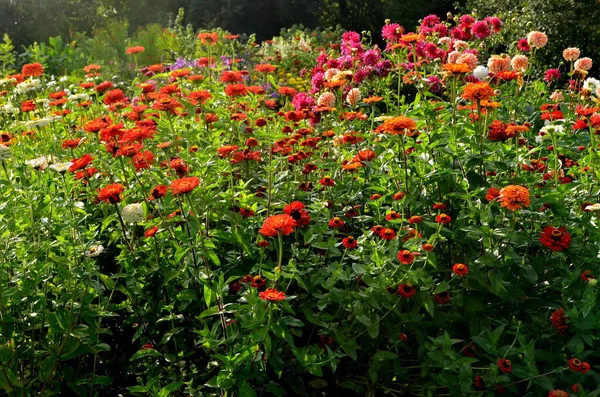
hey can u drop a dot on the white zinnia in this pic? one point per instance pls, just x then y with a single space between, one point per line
94 251
591 84
481 72
61 167
133 213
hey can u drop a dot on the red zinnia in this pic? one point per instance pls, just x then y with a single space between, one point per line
556 239
505 365
406 257
336 223
443 218
272 295
460 269
276 224
349 243
559 320
387 234
184 185
111 194
406 290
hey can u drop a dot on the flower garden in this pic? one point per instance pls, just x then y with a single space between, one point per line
314 215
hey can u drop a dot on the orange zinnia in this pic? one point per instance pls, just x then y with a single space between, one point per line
272 295
135 50
399 125
32 69
478 91
372 99
458 68
410 37
276 224
184 185
514 197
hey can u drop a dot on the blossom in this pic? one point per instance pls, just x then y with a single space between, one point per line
387 233
481 72
537 39
514 197
498 63
556 239
406 290
571 54
276 224
504 365
135 50
272 295
133 213
460 269
559 320
406 257
349 242
443 218
184 185
111 194
32 69
583 64
353 96
398 125
442 298
558 393
478 91
552 75
481 29
94 250
519 63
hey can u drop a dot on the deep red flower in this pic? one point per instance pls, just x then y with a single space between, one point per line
575 364
349 243
151 232
158 192
387 233
558 393
479 383
327 181
415 219
587 276
296 211
557 239
111 194
276 224
443 218
442 298
406 257
505 365
460 269
559 320
257 281
406 290
492 194
336 223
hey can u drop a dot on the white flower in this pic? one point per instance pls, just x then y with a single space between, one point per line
481 72
64 79
41 122
9 108
79 97
133 213
94 251
552 129
61 167
38 163
591 84
593 207
29 85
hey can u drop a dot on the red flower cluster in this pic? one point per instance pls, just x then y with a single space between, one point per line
111 194
579 366
297 212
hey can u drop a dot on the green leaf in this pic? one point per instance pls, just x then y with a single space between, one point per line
208 294
246 391
165 391
187 294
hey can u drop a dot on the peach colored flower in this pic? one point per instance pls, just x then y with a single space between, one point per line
469 59
519 63
537 39
499 63
353 96
326 99
571 54
583 64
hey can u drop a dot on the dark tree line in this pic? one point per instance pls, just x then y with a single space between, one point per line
27 21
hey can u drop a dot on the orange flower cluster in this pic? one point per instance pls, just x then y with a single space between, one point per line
514 197
134 50
272 295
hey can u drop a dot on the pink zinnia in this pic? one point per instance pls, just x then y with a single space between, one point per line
481 30
523 45
552 75
392 32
